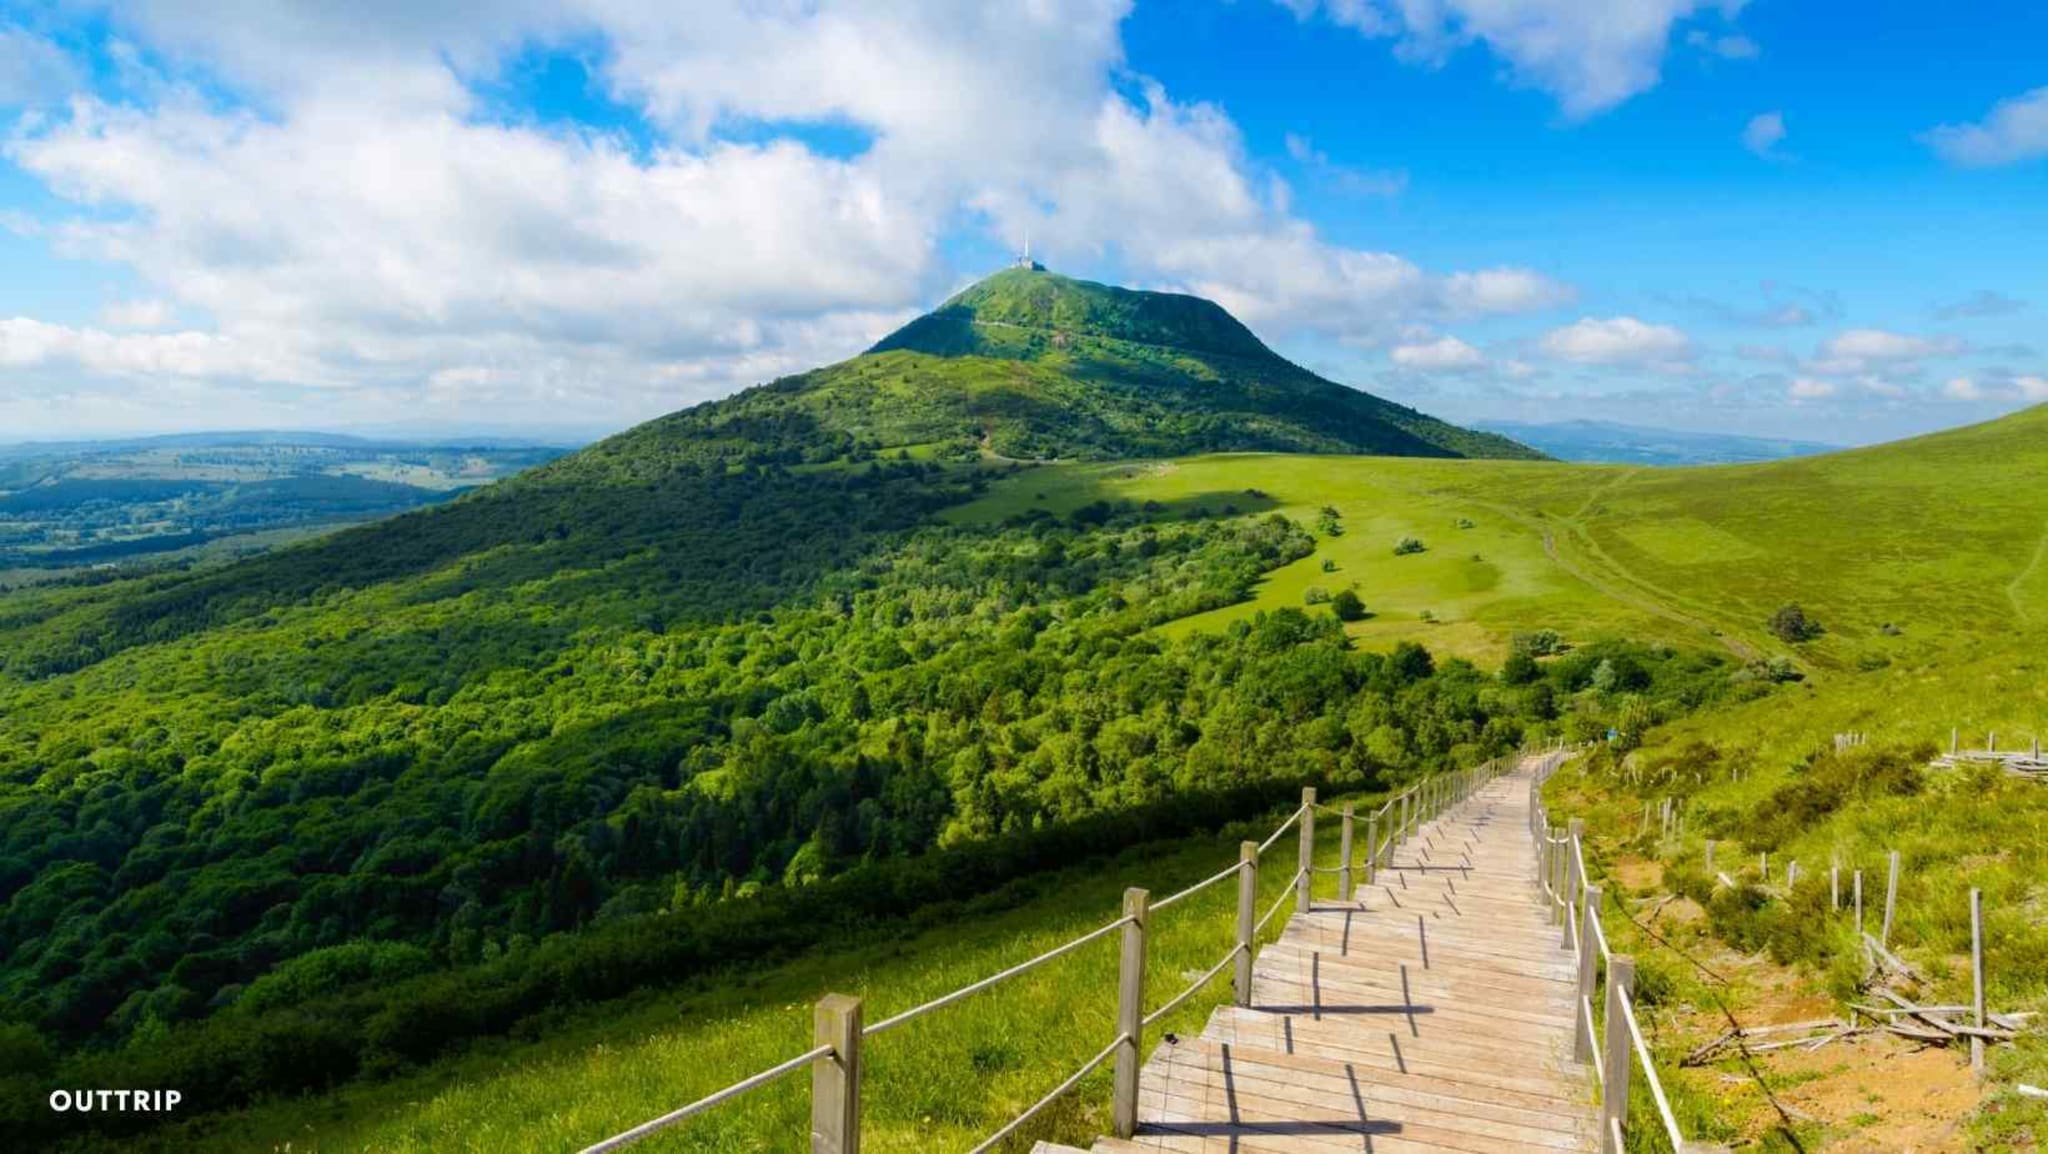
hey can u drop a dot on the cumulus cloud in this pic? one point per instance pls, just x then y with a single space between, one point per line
2015 130
1344 178
1447 354
1589 54
143 314
33 71
1867 346
363 222
1728 47
1811 389
1764 132
1982 303
1617 341
1962 389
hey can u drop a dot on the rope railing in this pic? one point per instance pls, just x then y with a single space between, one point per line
1616 1050
968 991
836 1061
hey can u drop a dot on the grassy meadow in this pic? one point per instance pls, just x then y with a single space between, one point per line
941 1083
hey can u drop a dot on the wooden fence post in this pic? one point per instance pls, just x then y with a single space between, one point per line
1859 907
1372 847
1977 976
1710 859
1791 875
1247 916
835 1078
1955 740
1835 885
1589 966
1302 883
1130 1012
1574 881
1401 834
1344 851
1891 900
1617 1052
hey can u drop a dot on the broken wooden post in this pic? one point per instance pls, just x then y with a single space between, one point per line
1130 1012
1977 976
1710 857
1835 886
1891 900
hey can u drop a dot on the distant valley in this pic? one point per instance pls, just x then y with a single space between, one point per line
1606 441
74 505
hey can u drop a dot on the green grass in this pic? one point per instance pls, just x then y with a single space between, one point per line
941 1083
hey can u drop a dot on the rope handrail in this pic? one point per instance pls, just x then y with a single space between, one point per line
1198 887
1635 1033
1286 895
656 1125
1275 835
1208 976
969 990
1090 1067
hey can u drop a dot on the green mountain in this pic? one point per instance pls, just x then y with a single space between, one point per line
1030 364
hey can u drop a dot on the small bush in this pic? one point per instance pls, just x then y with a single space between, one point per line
1408 545
1791 625
1541 643
1316 595
1347 606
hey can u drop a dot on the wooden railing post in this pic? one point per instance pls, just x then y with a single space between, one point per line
1589 972
1372 848
1130 1012
1344 851
835 1078
1977 977
1616 1052
1247 916
1302 884
1891 900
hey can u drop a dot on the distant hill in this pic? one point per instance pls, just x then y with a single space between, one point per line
1041 365
1606 441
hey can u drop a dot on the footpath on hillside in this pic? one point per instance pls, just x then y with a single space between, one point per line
1431 1012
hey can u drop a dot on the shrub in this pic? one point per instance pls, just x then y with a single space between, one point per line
1347 606
1316 595
1541 643
1407 545
1791 625
1329 566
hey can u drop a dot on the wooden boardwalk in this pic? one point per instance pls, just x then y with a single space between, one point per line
1432 1013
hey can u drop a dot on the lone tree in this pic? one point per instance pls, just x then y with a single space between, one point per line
1347 606
1791 625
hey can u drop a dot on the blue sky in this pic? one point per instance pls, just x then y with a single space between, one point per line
1814 220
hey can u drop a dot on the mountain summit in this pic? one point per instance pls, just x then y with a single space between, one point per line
1031 364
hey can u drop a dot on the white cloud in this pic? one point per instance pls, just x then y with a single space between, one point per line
1811 389
1862 346
1345 178
33 71
2032 388
1447 354
1727 47
1962 389
1763 133
1589 54
1505 290
2015 130
364 227
143 314
1617 341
